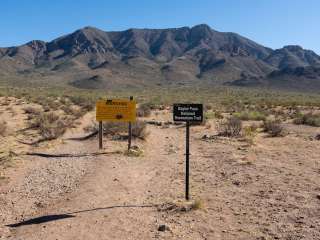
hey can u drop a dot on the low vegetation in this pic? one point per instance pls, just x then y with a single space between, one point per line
251 115
144 110
273 127
249 133
119 130
32 110
139 129
230 127
197 204
308 119
49 125
213 115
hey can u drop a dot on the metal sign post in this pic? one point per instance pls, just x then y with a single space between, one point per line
130 131
187 113
187 158
100 135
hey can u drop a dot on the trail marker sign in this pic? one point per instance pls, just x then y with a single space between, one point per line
117 110
187 112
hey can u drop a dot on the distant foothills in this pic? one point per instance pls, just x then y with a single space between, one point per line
90 58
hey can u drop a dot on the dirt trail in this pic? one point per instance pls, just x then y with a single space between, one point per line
116 199
267 191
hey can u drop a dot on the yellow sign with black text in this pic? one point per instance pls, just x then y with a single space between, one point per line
117 110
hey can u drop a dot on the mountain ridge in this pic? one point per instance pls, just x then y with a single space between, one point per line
185 55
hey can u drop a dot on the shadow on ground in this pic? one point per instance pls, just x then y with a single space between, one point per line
50 218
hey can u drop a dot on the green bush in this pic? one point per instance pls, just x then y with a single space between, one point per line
308 119
251 115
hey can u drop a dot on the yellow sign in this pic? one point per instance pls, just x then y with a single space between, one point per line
118 110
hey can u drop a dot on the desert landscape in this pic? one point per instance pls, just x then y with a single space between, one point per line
250 177
98 100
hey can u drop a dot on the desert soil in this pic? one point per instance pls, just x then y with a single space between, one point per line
270 190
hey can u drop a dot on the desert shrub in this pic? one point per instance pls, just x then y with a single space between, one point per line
88 106
67 108
3 127
53 130
230 127
134 151
49 125
273 128
53 104
209 115
114 128
139 129
76 112
308 119
207 107
249 133
212 115
218 115
197 204
31 110
85 103
144 110
251 115
46 108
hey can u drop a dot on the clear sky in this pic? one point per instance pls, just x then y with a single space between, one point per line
273 23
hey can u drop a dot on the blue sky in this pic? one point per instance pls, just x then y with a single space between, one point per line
273 23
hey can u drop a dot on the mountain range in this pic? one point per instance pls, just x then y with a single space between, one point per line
90 58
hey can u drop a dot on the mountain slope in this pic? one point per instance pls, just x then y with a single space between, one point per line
149 57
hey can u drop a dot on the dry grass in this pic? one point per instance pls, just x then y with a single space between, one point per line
139 129
144 110
230 127
249 133
31 110
135 151
49 125
273 127
197 204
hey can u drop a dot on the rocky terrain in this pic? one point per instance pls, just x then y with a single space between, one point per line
90 58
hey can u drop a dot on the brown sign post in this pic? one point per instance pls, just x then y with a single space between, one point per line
187 113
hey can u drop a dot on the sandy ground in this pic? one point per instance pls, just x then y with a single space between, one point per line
270 190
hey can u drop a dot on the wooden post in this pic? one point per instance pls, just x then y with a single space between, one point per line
100 135
187 158
130 131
